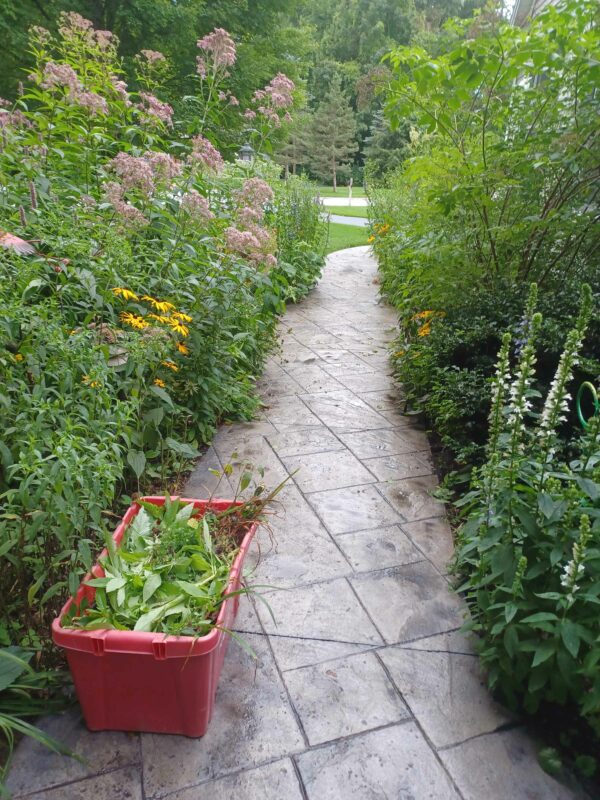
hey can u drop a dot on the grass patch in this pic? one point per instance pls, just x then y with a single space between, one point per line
348 211
342 191
342 236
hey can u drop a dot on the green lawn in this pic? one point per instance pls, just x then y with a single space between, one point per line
348 211
342 191
342 236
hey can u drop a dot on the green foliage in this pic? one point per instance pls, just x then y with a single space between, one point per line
530 546
385 149
300 238
169 574
25 692
333 136
503 183
446 361
139 297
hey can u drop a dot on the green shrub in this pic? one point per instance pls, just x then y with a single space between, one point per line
139 296
530 546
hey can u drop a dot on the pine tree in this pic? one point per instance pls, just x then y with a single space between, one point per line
294 151
333 135
385 148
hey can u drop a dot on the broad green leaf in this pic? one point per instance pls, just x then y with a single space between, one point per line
152 583
137 461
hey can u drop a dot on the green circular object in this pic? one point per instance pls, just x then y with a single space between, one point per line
592 390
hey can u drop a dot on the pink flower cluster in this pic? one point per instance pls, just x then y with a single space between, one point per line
196 206
135 172
144 172
153 56
280 91
206 154
221 48
93 102
71 21
11 119
121 89
154 110
227 97
255 193
274 98
60 75
64 76
75 26
131 217
249 238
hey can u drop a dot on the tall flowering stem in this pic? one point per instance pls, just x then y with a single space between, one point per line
519 407
500 388
557 401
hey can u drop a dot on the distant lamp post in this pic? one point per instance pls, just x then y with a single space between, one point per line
246 152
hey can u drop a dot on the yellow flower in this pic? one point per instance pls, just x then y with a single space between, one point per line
170 365
371 239
422 315
134 320
18 357
179 327
183 348
126 294
182 317
159 382
88 382
158 304
425 330
400 353
161 318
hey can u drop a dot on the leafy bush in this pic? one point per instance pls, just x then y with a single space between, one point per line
445 361
530 546
499 187
139 295
503 182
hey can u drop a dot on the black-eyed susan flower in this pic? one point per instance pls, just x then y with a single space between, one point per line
170 365
183 349
179 327
159 382
180 315
133 320
126 294
159 305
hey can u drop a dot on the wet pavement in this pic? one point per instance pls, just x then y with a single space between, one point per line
363 687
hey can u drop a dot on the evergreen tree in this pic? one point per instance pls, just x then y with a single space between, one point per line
295 149
333 135
385 148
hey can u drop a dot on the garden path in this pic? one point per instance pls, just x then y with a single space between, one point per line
358 222
363 688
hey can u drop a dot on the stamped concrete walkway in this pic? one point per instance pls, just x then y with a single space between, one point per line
363 689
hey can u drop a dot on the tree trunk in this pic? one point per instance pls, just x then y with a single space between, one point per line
334 177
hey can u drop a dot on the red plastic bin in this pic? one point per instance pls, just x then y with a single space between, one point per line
142 681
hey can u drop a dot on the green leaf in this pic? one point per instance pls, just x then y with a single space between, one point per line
570 637
146 621
590 487
13 662
115 583
151 585
192 589
541 616
550 760
545 651
182 448
137 461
